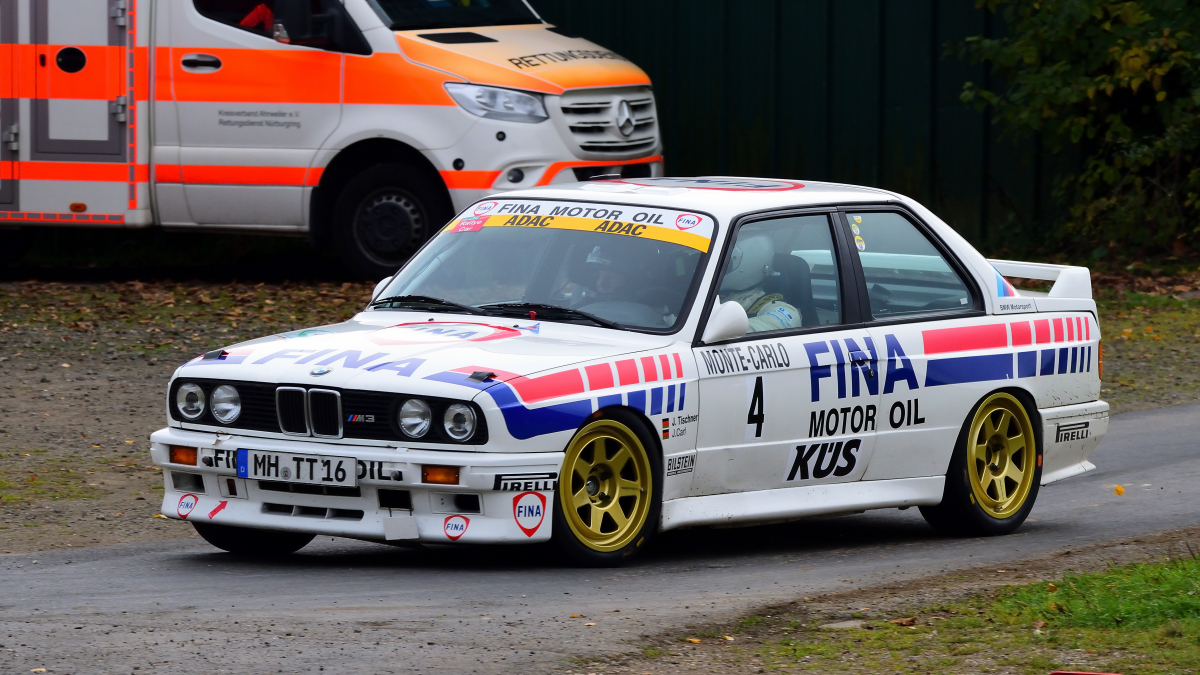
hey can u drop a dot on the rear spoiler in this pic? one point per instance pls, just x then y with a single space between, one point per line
1069 281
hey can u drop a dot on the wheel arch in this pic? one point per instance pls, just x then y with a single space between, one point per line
348 163
639 415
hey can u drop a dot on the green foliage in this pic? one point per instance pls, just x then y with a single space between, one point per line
1121 80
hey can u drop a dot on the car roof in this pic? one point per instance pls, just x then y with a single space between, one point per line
719 195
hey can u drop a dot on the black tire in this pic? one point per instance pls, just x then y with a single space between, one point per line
386 213
252 542
967 504
13 245
571 546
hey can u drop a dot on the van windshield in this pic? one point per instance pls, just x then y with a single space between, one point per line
428 14
634 267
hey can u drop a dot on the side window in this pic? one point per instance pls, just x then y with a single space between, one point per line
905 273
320 24
783 271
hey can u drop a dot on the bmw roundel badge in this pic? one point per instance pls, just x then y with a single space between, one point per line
320 371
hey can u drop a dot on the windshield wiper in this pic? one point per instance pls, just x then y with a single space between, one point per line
546 307
426 300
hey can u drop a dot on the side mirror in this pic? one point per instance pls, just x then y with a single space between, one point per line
727 321
379 288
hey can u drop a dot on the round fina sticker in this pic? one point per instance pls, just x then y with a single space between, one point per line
456 526
687 221
439 332
529 509
187 504
719 183
485 208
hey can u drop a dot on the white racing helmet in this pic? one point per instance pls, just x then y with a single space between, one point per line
749 263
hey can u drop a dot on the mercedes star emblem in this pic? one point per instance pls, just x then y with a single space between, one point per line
625 122
320 371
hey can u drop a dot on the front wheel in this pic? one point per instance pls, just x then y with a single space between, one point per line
609 492
251 542
386 213
994 475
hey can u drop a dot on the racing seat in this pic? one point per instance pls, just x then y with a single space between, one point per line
791 277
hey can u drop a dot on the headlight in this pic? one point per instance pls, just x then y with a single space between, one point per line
459 421
189 400
498 104
415 418
226 404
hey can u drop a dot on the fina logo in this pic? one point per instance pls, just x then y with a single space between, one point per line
455 526
529 509
687 221
317 372
485 208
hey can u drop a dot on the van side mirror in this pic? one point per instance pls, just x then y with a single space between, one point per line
379 288
728 320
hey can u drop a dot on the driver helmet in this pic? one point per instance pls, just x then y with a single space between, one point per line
749 263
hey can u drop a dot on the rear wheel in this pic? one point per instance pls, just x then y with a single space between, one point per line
609 492
251 542
994 476
384 215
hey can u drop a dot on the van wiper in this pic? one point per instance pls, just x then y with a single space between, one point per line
545 307
401 300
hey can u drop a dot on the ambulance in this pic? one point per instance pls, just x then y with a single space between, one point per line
363 124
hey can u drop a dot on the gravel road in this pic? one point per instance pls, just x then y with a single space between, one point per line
180 607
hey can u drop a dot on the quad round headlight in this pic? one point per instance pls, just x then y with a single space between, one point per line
459 421
226 404
415 418
189 401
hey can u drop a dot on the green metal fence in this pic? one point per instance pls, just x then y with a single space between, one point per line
854 91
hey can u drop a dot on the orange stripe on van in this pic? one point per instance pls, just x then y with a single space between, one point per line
237 175
298 77
469 180
558 167
82 171
471 68
390 79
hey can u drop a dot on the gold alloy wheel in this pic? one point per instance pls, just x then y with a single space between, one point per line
1001 456
606 486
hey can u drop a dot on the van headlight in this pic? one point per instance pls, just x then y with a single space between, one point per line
459 421
226 404
495 103
190 401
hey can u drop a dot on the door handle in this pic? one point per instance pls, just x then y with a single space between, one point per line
200 63
858 358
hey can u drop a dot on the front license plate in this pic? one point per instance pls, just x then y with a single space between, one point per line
293 468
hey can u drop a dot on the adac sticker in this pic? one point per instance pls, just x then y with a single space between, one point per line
859 243
529 509
484 208
186 504
455 526
439 332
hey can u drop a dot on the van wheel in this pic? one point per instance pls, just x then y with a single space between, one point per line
609 492
251 542
384 215
993 479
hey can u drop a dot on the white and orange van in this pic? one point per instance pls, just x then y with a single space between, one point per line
364 123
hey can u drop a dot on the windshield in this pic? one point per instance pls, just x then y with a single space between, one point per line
631 266
426 14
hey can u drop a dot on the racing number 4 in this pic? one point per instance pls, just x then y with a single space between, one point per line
755 417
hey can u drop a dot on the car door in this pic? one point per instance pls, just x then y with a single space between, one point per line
257 89
793 402
939 351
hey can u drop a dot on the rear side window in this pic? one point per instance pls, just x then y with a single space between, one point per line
905 273
321 24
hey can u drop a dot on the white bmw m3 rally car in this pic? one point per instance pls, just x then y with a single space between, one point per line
594 363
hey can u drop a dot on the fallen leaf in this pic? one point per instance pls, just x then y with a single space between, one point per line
32 478
159 515
578 616
590 623
128 442
692 640
38 670
727 637
1118 491
1051 587
906 621
1039 624
66 365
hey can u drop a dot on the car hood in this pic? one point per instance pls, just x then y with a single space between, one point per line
532 57
392 351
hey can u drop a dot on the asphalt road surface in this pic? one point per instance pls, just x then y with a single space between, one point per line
348 606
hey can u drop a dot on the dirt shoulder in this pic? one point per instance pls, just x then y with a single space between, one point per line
752 642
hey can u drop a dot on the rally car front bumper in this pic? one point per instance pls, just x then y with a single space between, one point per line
499 497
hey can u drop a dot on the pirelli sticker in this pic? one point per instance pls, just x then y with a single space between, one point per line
677 227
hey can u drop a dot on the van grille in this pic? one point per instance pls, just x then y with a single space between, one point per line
591 116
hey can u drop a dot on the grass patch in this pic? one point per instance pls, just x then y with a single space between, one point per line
1151 350
1134 619
45 487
